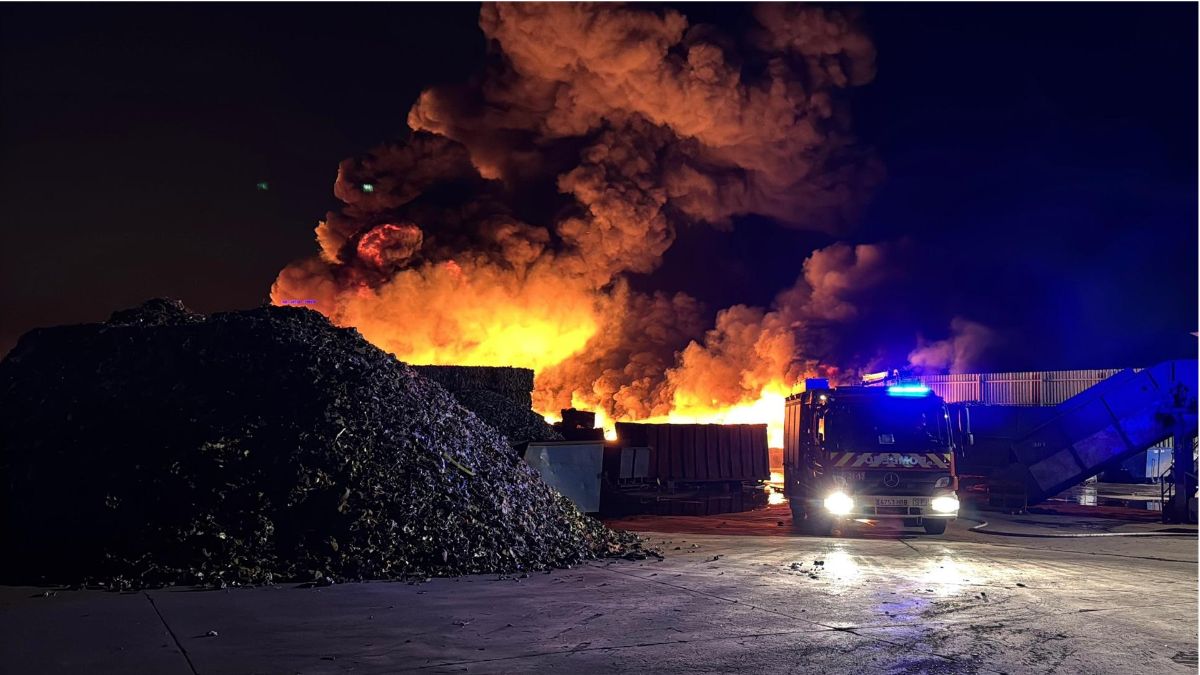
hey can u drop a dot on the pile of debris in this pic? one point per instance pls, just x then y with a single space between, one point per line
166 447
500 396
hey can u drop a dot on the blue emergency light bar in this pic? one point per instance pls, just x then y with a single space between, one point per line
813 383
907 390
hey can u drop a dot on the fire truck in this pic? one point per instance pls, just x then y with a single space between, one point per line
869 452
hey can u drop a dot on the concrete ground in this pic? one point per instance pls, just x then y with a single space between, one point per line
873 601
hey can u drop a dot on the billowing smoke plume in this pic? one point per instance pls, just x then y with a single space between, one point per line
962 352
751 350
506 228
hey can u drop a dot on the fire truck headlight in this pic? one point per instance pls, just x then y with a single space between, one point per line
839 503
944 481
945 504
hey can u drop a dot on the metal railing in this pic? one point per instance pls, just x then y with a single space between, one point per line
1167 492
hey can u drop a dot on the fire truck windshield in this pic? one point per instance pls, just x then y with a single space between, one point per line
885 425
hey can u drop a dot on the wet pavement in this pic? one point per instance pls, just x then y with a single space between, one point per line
1046 520
1144 496
895 602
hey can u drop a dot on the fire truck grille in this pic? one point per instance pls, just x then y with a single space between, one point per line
891 510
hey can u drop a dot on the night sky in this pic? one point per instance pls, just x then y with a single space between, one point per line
1041 158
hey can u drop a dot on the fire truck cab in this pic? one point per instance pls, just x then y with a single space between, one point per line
874 453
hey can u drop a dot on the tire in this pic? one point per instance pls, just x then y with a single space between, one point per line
815 525
819 525
822 527
797 514
937 526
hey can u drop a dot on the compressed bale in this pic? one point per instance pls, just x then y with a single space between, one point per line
500 396
164 447
518 424
578 419
502 379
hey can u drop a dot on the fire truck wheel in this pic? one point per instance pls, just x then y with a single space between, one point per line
819 525
937 526
797 515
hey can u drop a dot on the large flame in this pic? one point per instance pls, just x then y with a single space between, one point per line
445 314
507 229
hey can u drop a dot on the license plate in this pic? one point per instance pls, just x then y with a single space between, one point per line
891 502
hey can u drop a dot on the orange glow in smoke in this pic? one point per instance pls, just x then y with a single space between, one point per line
388 244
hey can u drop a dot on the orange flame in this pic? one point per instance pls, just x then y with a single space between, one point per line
454 313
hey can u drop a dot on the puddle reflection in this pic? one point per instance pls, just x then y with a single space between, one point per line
775 495
841 567
946 576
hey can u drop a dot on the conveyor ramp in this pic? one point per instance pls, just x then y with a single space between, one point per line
1108 423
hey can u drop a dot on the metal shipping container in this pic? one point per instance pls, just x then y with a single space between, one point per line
701 452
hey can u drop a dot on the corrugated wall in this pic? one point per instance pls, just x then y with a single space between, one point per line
701 452
1043 388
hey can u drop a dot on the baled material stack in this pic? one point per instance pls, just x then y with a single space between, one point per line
579 425
500 396
165 447
514 383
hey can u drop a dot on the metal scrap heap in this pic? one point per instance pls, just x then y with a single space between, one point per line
165 447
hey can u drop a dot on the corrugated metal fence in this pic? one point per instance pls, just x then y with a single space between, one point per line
1041 388
701 452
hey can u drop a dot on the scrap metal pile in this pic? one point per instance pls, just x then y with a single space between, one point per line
166 447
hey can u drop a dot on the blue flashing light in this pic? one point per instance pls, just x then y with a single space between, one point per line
908 390
816 383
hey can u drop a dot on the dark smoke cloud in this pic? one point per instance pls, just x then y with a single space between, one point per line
750 349
504 229
729 141
622 369
964 351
